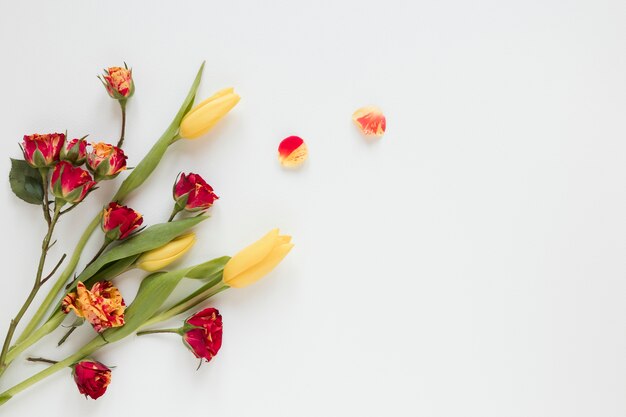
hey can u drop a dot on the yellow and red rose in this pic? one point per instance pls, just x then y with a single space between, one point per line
75 151
43 151
69 183
192 193
118 221
203 333
102 306
118 82
92 378
106 161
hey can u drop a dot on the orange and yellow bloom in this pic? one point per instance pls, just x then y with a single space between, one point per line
102 306
118 82
106 161
370 121
206 114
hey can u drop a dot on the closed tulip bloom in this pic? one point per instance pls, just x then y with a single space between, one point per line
69 183
43 151
206 114
257 260
92 378
159 258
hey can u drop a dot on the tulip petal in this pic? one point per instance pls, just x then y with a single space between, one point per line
258 271
203 117
219 94
160 258
250 255
292 151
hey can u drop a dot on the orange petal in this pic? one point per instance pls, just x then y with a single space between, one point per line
370 121
292 151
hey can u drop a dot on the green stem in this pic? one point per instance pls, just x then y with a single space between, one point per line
61 281
177 331
174 213
106 243
47 328
123 106
87 350
43 360
46 202
33 292
205 292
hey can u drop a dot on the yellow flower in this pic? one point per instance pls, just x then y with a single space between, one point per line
206 114
159 258
257 260
102 306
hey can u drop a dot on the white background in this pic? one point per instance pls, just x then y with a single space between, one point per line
470 263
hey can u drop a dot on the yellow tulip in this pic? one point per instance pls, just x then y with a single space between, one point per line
257 260
159 258
206 114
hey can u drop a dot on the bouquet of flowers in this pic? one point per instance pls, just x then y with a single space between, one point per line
58 173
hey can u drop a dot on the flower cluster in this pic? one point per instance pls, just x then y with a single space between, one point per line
70 170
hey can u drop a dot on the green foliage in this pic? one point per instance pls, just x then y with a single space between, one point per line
26 182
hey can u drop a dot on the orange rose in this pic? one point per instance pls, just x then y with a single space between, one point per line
103 306
119 82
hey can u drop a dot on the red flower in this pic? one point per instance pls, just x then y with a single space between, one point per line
92 378
192 193
75 151
120 221
203 333
106 161
70 183
42 150
119 82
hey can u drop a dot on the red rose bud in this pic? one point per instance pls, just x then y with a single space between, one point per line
69 183
292 152
92 378
119 82
192 193
106 161
41 151
203 333
118 221
75 151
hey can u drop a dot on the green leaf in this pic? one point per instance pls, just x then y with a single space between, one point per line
152 293
209 269
114 269
26 182
143 170
153 237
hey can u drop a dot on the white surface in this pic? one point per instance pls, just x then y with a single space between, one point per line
470 263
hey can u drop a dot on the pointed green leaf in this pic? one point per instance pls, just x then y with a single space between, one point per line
26 182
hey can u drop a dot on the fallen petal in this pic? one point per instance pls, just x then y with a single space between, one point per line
292 151
370 121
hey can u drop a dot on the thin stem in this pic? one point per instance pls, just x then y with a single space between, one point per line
44 360
60 282
106 243
123 106
46 202
69 332
177 331
33 292
174 213
43 280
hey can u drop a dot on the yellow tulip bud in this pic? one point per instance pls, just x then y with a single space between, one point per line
257 260
159 258
206 114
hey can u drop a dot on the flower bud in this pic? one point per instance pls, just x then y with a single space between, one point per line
118 82
192 193
257 260
103 306
118 221
159 258
69 183
370 121
203 333
206 114
92 378
106 161
75 151
42 151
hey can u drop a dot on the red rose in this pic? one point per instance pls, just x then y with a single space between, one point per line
203 333
69 183
119 82
75 151
106 161
92 378
42 151
192 193
120 221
